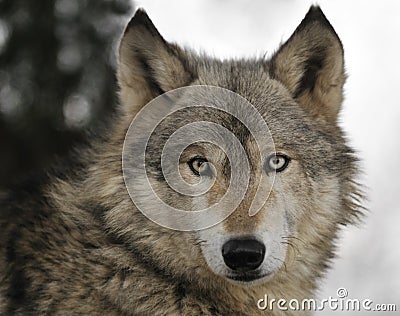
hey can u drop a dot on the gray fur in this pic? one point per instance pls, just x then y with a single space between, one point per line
77 245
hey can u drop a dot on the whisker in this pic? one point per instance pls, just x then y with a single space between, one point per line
295 250
296 238
200 242
283 262
293 245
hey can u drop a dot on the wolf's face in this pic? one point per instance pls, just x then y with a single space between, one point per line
298 180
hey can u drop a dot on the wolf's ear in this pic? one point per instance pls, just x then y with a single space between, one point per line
310 64
148 65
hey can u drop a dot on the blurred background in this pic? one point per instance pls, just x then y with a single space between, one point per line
57 82
57 65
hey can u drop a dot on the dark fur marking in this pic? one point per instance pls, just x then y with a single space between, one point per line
142 259
142 19
180 293
315 14
18 282
149 75
310 76
315 18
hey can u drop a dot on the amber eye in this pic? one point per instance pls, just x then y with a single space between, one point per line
200 166
276 162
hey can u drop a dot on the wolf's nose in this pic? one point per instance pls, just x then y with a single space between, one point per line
243 254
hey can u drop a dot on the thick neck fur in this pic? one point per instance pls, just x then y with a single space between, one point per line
123 236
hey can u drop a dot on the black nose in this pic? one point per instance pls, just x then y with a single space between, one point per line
243 254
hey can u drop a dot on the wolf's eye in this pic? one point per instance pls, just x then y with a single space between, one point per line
200 166
276 162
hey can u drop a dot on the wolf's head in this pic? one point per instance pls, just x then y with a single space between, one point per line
298 93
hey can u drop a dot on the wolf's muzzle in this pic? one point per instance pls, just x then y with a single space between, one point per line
243 255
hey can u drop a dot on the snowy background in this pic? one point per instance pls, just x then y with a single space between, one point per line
368 261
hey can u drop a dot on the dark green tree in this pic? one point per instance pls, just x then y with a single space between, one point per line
57 76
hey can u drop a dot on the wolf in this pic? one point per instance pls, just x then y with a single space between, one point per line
72 242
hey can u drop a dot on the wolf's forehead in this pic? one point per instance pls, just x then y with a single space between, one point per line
235 75
249 79
269 98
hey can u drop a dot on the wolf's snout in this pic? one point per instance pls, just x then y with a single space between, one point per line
243 254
